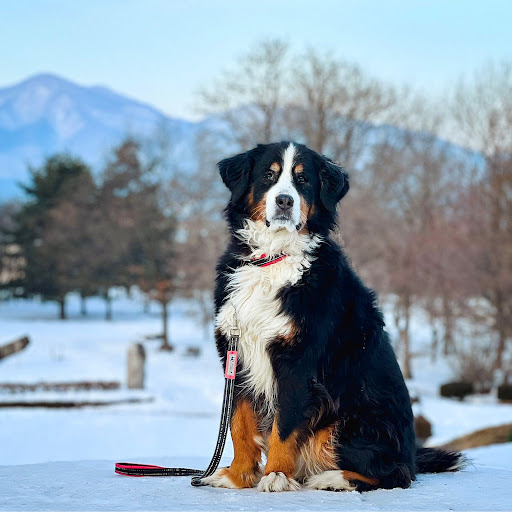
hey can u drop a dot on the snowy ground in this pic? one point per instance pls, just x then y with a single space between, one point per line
92 485
63 459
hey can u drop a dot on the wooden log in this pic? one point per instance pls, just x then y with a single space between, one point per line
482 437
72 404
13 347
12 387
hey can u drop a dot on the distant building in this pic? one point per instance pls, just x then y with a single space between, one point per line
12 264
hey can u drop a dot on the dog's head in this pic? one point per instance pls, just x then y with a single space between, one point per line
286 186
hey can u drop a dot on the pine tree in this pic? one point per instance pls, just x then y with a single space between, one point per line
46 229
135 235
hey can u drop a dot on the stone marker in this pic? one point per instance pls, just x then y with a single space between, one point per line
136 359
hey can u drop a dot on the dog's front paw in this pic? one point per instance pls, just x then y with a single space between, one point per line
229 479
220 479
277 482
333 480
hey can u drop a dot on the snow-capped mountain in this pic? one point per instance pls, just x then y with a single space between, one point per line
46 113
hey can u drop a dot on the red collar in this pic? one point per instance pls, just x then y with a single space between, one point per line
265 261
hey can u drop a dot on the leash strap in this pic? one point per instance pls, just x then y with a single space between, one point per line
137 470
131 469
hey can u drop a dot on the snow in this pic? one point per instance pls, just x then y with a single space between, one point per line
93 485
63 459
453 419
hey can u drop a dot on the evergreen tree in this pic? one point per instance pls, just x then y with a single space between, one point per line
48 229
135 234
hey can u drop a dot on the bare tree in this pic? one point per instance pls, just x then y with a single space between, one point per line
337 104
198 199
317 87
248 97
482 114
398 202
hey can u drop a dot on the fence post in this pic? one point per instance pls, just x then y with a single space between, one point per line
136 360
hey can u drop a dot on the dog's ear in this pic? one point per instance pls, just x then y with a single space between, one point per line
235 172
334 183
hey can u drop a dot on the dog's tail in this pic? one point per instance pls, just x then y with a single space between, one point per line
436 460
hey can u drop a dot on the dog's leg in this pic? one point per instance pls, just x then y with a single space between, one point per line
281 461
317 454
244 470
302 405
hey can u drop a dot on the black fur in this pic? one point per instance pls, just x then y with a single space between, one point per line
341 368
435 460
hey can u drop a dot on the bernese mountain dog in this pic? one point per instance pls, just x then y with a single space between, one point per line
318 387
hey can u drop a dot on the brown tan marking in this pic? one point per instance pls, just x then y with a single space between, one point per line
250 198
299 168
275 167
258 210
291 335
317 454
353 477
244 469
282 454
305 212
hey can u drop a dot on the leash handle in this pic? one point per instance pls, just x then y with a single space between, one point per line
131 469
138 470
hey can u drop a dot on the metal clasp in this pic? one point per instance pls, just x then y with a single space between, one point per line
235 330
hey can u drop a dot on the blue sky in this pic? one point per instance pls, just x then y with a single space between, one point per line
161 51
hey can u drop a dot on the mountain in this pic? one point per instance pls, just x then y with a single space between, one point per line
46 113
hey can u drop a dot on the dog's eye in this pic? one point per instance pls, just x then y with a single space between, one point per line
301 178
270 175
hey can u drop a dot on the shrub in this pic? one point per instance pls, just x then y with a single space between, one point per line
473 361
456 389
422 428
505 392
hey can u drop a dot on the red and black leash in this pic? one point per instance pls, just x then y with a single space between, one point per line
131 469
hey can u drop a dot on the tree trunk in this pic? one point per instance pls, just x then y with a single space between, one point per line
502 339
500 328
435 342
83 308
108 306
204 302
404 338
165 331
448 327
62 307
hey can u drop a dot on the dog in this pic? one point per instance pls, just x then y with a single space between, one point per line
318 387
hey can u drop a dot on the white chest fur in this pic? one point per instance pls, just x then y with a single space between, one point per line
252 298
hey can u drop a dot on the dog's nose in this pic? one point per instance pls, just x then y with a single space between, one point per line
284 201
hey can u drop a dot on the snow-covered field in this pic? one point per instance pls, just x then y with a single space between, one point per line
62 459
